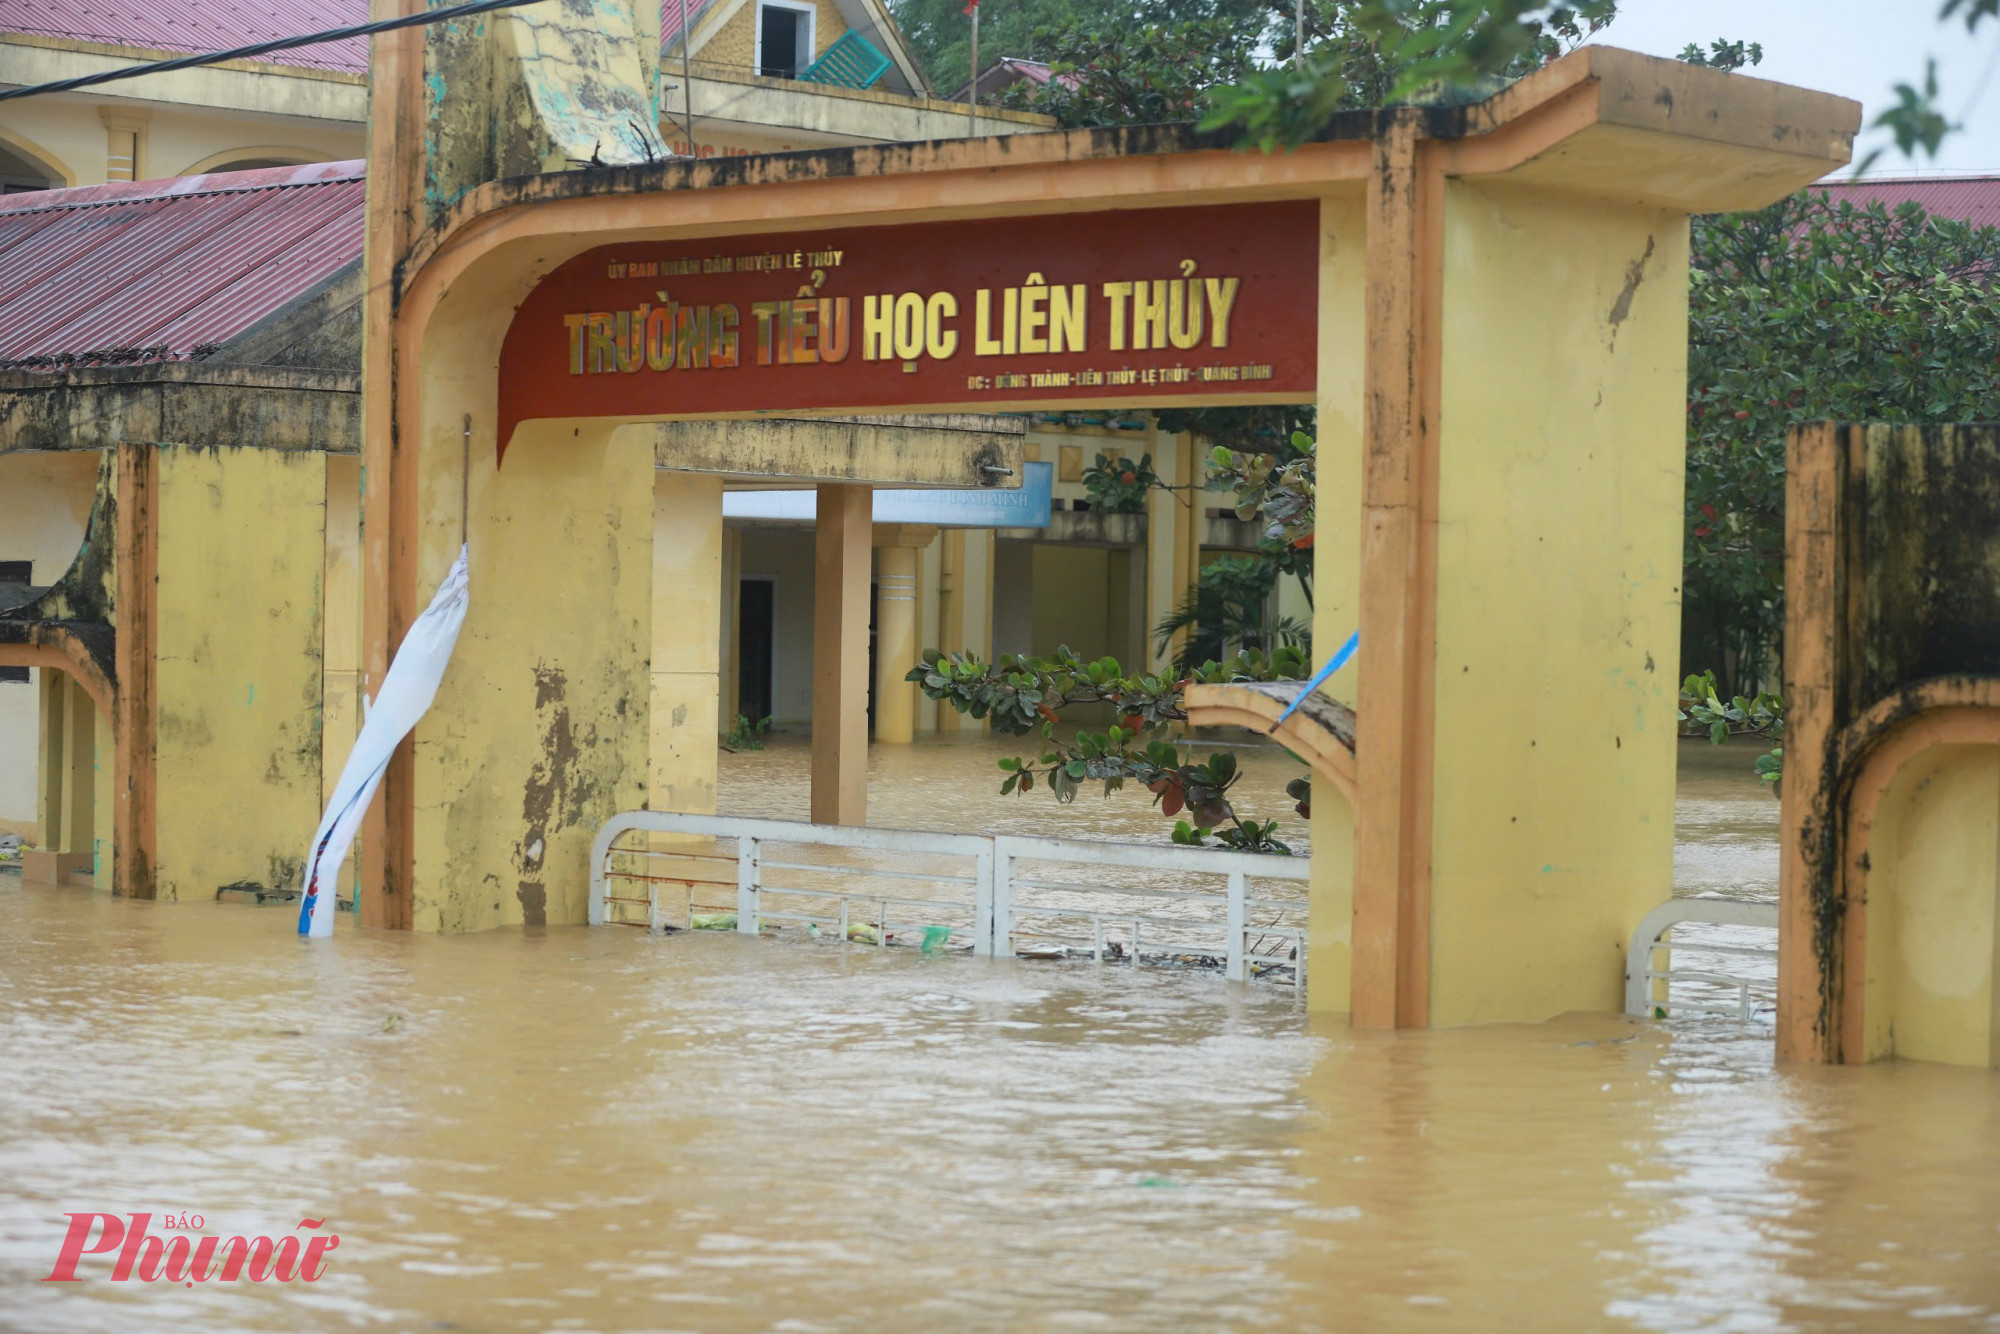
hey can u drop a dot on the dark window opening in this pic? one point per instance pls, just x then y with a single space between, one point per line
781 36
20 573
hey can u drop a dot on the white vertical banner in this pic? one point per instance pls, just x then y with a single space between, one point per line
405 696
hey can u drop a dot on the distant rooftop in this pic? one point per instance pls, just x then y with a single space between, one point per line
151 271
199 25
1974 199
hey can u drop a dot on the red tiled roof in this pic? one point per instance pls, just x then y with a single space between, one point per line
199 25
157 270
1974 199
1010 70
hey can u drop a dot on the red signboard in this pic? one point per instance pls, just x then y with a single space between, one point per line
1161 304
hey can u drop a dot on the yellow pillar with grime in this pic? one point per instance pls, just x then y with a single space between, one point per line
898 548
841 548
1336 576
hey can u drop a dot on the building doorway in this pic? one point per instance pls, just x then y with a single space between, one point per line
756 612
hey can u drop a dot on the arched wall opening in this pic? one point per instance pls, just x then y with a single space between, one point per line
1924 890
253 159
23 166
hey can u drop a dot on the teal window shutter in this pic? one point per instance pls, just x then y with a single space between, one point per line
851 62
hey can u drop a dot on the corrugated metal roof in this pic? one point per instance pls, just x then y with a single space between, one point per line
199 25
1974 199
217 25
670 18
155 270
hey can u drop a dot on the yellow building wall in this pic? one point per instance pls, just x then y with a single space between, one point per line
1336 577
340 655
1558 612
70 135
785 557
540 728
1933 882
687 629
241 558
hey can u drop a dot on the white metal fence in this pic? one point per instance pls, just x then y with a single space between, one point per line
1035 897
1722 959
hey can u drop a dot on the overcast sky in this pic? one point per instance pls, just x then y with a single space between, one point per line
1857 48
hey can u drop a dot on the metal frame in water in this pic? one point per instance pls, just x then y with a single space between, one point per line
996 907
1649 990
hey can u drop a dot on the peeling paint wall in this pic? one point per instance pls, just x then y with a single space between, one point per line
544 88
1560 460
241 555
540 730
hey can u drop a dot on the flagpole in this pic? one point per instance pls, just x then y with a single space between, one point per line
972 95
687 78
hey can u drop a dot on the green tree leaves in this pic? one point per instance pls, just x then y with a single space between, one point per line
1023 695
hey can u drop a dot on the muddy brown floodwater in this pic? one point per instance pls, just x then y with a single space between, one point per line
568 1129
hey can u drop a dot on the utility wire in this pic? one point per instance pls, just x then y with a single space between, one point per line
262 48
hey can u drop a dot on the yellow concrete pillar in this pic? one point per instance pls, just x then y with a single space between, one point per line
68 787
79 775
1336 580
930 573
897 549
103 793
54 716
840 655
687 621
124 142
1166 581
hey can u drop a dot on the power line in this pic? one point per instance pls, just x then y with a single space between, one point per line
264 48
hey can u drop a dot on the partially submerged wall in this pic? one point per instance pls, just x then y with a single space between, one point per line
1890 874
241 547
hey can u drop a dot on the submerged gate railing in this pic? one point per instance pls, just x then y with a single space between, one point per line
1001 895
1704 962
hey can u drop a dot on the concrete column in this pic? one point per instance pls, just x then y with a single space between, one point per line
79 776
897 549
841 547
54 715
68 787
687 621
930 569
